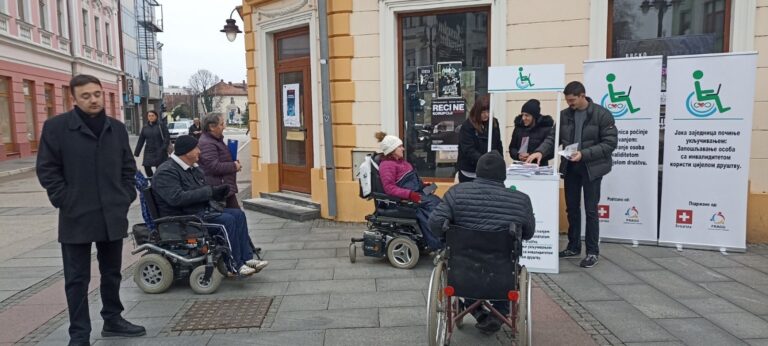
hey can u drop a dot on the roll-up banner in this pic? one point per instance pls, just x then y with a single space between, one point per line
708 131
631 90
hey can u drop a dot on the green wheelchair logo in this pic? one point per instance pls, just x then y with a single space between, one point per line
523 81
704 102
617 102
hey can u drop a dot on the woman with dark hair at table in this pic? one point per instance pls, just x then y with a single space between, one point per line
473 139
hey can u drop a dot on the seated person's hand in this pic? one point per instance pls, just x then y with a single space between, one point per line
535 157
414 197
219 192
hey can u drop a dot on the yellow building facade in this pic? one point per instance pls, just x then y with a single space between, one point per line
391 59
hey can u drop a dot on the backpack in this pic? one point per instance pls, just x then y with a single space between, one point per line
365 176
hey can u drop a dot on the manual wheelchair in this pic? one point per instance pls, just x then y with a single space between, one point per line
393 229
484 266
179 247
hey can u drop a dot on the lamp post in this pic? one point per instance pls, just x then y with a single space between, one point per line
231 28
661 7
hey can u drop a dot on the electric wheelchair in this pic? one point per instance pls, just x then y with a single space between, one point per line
179 247
484 266
392 230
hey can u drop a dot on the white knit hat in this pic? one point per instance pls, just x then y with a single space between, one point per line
389 144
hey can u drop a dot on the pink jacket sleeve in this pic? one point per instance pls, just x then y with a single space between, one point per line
388 173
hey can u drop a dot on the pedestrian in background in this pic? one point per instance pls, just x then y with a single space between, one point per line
195 130
157 138
85 165
592 128
216 160
531 129
473 139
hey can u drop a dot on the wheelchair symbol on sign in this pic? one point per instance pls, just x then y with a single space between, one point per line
523 81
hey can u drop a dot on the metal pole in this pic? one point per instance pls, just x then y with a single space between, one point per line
556 144
330 166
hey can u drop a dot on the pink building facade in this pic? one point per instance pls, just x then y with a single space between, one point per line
43 43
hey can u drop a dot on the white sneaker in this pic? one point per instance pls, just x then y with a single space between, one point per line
246 270
257 264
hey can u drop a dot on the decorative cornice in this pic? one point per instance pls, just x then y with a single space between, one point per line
284 10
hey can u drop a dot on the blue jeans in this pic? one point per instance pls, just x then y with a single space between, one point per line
237 233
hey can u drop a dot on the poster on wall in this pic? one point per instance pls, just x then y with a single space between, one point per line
426 78
710 104
291 106
447 115
449 79
630 90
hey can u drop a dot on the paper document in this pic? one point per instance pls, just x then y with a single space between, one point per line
568 151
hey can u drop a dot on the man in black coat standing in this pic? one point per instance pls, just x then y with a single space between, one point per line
593 130
84 162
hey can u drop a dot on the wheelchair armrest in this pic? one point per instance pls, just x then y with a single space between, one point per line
393 200
181 218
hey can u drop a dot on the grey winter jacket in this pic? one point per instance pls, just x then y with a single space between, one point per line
599 138
178 191
484 205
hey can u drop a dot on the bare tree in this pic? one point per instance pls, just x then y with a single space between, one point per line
202 83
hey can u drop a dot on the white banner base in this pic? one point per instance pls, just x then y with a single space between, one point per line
690 246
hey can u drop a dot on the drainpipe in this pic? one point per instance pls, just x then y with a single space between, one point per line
330 166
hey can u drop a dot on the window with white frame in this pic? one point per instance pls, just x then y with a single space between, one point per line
22 10
43 14
97 37
85 27
3 7
108 37
61 18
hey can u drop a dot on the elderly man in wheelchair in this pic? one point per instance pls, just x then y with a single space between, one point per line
484 225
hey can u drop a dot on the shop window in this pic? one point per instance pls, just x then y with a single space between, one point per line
5 111
444 68
67 98
675 27
50 101
29 110
293 47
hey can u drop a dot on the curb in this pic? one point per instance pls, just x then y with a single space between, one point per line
16 171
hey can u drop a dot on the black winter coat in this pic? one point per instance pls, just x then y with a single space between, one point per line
536 135
178 191
156 137
89 178
472 144
599 138
484 205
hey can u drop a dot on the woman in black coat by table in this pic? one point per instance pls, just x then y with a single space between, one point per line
157 139
473 139
531 129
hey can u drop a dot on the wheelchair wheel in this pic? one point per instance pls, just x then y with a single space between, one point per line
437 320
153 273
523 323
403 253
201 286
352 253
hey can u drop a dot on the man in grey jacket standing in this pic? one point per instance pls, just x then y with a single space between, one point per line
592 128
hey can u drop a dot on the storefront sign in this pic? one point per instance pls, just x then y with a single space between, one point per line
526 78
630 90
710 104
447 115
291 105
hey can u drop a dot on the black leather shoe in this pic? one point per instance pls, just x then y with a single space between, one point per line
120 327
480 314
489 325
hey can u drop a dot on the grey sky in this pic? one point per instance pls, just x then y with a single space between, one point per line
192 41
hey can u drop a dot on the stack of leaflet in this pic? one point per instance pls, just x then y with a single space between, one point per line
528 169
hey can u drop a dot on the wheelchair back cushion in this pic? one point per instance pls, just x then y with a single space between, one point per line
180 231
482 264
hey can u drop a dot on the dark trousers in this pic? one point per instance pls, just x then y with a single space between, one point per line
148 171
77 275
500 305
576 180
237 233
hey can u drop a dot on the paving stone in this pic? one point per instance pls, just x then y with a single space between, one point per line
378 271
328 244
282 246
6 294
200 340
711 259
42 253
567 266
326 319
627 259
305 302
331 286
155 309
582 287
673 285
609 273
661 343
690 270
403 316
267 338
376 336
307 237
401 284
339 262
17 284
757 342
698 331
294 254
28 272
281 264
376 299
742 325
743 296
626 322
31 262
655 251
293 275
265 226
154 326
747 276
651 302
752 260
713 305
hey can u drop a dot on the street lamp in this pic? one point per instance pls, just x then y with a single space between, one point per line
231 28
660 6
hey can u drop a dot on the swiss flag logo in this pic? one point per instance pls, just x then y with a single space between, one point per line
603 211
684 217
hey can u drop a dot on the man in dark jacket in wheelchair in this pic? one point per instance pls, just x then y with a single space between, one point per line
179 188
485 205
